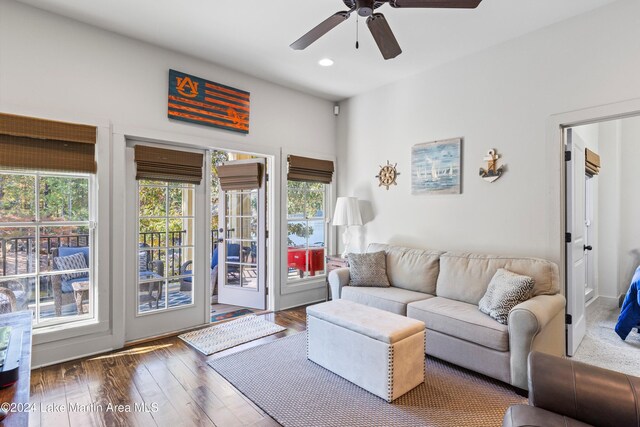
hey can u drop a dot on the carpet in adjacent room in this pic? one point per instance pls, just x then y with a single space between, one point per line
601 345
297 392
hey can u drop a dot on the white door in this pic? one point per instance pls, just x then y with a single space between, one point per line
242 244
167 268
575 227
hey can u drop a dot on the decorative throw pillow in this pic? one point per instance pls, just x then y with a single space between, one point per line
505 291
71 262
369 270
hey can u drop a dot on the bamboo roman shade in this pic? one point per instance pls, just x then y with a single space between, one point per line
240 176
38 144
310 170
161 164
592 162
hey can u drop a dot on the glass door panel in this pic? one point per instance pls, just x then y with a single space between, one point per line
242 219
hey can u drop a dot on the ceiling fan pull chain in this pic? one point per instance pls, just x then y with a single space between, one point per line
357 33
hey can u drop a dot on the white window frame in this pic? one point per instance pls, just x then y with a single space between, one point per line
308 289
306 220
63 322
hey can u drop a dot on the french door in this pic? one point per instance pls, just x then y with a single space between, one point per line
167 263
242 243
576 244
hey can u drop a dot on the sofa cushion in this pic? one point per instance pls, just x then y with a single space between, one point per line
465 277
460 320
410 269
369 270
505 291
390 299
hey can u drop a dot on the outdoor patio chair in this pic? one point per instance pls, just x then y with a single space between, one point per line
233 255
151 269
13 297
63 289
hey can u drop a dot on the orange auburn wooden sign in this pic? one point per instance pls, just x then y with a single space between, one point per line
196 100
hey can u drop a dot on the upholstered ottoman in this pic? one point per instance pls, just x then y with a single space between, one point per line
379 351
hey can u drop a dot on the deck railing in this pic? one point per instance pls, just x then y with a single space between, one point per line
17 252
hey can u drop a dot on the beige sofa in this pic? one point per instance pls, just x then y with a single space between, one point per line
443 290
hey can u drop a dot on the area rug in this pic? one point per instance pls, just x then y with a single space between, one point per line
230 334
230 314
601 345
296 392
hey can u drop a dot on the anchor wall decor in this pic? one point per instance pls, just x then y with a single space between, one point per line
493 172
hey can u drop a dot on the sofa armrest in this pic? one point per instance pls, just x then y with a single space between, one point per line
536 324
593 395
338 279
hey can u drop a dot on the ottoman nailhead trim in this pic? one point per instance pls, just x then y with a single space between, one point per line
390 374
425 355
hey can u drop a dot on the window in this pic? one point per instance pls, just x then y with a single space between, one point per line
166 245
306 229
47 245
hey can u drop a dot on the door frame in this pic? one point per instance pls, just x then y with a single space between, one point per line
239 295
124 264
556 125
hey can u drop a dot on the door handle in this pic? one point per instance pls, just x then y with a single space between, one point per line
588 248
220 240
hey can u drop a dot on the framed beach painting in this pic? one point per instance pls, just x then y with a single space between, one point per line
436 167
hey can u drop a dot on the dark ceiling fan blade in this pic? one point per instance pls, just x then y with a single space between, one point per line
320 30
383 36
443 4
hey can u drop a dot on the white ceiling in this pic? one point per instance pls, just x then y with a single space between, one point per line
253 36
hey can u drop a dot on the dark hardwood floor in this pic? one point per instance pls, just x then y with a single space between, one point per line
166 372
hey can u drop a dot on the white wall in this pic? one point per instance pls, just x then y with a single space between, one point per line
54 67
609 208
629 254
501 98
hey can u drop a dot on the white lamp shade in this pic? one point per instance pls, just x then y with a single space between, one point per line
347 212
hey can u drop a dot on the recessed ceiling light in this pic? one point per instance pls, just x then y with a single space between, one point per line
325 62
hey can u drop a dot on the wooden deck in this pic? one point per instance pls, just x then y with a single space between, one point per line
166 372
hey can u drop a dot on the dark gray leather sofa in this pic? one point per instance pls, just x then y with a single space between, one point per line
565 393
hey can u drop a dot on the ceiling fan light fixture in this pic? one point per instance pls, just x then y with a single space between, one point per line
365 7
325 62
377 23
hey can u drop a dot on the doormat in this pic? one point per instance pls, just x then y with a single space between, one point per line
230 334
230 314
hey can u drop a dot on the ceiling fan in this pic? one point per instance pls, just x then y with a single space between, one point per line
376 22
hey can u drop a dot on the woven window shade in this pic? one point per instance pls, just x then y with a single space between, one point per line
161 164
592 162
310 170
240 176
36 144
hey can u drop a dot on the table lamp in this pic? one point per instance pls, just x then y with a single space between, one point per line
347 213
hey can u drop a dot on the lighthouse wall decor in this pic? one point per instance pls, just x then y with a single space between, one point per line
492 172
436 167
